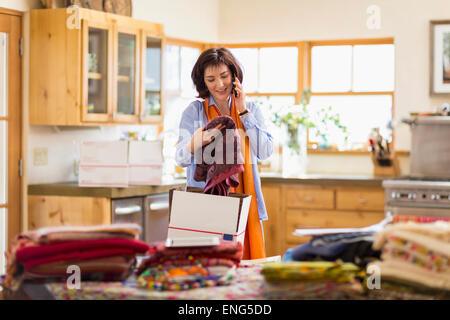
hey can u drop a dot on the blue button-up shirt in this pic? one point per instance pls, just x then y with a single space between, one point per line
261 143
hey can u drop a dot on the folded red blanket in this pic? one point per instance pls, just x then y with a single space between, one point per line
53 249
226 249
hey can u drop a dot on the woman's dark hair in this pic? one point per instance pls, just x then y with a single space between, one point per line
213 57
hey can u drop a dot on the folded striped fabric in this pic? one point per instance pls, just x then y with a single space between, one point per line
415 253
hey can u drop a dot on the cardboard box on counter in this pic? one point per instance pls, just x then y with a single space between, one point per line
145 152
142 174
194 214
104 152
103 164
145 162
103 175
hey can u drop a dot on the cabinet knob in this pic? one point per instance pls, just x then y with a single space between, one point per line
362 201
309 199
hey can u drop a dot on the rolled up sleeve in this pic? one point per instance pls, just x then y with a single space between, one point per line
188 125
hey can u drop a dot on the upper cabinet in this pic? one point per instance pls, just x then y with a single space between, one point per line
94 68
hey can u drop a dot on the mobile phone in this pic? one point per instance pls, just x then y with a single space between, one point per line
233 79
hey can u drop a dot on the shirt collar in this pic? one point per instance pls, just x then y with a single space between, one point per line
212 102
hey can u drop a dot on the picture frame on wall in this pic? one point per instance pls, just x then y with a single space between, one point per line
440 57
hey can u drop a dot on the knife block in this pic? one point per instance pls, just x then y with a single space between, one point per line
386 166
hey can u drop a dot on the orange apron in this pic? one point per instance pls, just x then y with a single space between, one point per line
254 241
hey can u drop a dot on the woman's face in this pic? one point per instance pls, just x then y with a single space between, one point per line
218 80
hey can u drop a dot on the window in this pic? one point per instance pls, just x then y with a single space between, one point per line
271 80
356 81
179 58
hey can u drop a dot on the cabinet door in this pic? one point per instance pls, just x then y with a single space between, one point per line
126 79
97 71
151 91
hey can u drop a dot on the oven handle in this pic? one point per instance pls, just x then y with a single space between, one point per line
127 210
158 205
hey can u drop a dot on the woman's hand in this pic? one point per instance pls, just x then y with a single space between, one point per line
202 137
240 99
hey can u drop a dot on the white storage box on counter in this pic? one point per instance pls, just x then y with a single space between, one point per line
104 152
145 161
194 214
103 164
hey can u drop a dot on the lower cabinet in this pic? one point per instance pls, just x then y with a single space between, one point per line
46 211
292 207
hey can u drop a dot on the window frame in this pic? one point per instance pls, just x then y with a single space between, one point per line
347 42
303 71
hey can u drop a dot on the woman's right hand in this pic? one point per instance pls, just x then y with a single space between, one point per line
202 137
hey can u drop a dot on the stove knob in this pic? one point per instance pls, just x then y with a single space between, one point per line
411 196
435 196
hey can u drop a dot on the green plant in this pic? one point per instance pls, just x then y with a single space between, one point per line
300 115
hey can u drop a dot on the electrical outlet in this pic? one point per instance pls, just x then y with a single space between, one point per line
40 156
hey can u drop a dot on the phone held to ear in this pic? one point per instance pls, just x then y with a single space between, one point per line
233 79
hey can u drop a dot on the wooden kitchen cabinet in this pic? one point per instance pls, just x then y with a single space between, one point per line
294 206
89 67
49 211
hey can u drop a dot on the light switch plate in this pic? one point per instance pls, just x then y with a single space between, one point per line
40 156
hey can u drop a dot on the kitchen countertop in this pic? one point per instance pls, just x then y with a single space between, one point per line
326 179
74 190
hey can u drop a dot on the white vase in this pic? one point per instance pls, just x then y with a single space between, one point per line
294 161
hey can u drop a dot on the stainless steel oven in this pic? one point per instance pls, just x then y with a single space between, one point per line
417 197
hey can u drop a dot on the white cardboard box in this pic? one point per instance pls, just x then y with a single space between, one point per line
142 174
103 164
145 152
145 162
103 175
104 152
195 214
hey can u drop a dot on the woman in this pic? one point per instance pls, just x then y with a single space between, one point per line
218 77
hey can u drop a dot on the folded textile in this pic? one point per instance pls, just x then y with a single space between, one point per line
189 260
48 246
417 253
436 234
310 271
183 278
112 267
72 233
220 172
53 249
226 253
227 248
353 247
312 290
420 219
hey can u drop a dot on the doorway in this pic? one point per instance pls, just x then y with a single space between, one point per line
10 129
